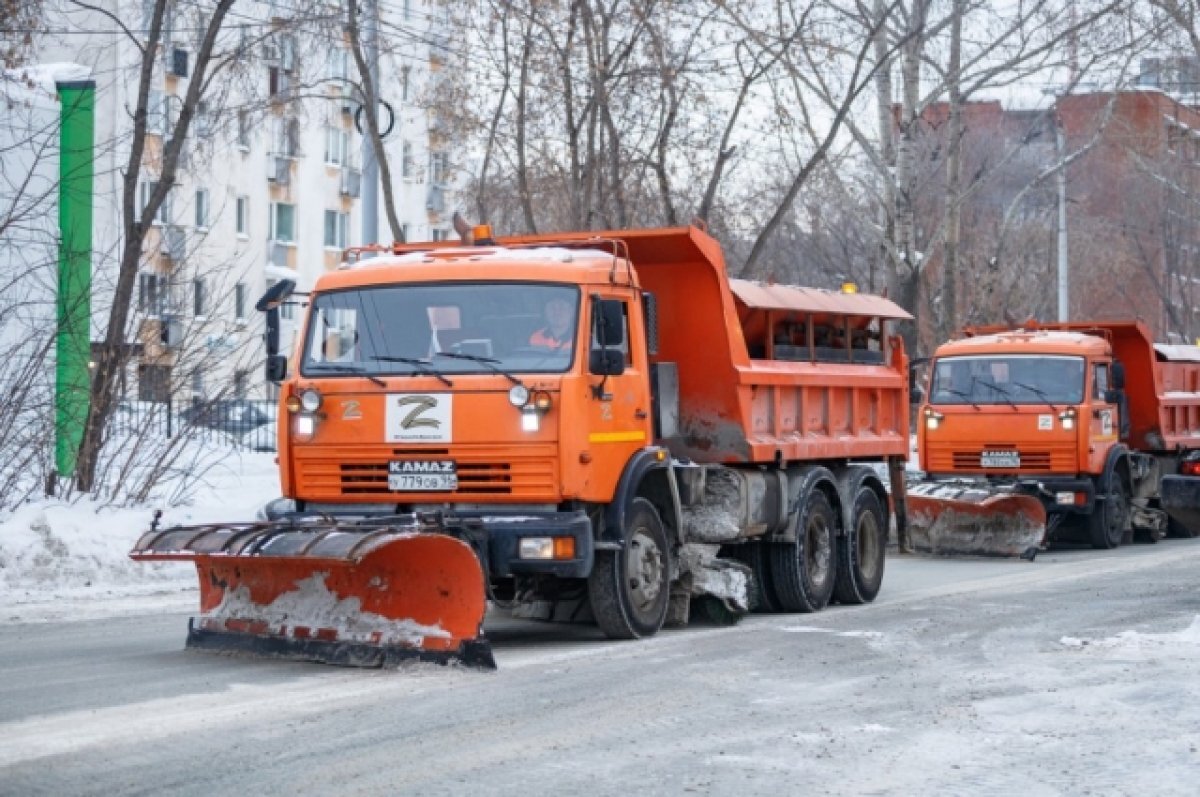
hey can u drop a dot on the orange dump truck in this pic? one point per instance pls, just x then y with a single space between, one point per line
581 426
1078 431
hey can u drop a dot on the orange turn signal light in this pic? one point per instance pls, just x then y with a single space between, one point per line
564 547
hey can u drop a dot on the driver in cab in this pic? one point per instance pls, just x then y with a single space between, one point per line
556 334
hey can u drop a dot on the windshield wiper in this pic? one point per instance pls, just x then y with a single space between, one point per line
348 369
1040 393
419 366
967 396
998 389
490 362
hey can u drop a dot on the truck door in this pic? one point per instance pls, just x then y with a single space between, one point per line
619 404
1105 419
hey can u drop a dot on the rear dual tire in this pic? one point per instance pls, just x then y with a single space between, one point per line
862 552
804 569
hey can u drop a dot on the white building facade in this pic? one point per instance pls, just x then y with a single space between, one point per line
270 185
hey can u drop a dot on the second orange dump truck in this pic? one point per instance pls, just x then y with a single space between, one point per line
1082 431
576 426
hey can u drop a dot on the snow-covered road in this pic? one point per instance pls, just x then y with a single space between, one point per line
1075 674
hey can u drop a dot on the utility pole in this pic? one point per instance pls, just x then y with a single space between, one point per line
370 170
1064 268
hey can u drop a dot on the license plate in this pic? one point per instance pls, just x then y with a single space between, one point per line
1000 459
411 476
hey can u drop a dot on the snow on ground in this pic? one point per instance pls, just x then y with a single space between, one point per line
1135 646
61 559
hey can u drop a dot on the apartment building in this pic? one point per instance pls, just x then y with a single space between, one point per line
270 183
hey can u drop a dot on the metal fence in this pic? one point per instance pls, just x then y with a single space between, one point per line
237 423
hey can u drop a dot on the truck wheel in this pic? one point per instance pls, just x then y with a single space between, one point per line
804 570
630 589
757 555
862 552
1108 522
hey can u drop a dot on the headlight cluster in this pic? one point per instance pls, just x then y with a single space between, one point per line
303 408
1067 417
933 418
532 404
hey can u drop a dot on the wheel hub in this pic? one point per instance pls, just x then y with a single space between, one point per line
645 569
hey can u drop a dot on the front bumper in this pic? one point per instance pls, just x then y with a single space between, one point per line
494 534
1046 490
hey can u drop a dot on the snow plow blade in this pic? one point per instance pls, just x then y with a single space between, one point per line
358 594
949 519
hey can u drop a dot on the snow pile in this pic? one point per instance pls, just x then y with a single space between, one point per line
1132 644
51 551
312 605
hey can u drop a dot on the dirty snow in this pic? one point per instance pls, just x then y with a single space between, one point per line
312 605
59 559
1136 646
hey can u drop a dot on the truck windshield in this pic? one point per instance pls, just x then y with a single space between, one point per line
496 327
1011 379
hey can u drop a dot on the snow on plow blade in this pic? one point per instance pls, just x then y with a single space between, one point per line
356 594
961 520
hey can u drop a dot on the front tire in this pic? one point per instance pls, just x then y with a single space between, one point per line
1109 522
863 551
630 589
803 570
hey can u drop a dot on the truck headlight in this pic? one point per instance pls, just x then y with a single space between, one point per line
1068 419
518 396
933 418
310 401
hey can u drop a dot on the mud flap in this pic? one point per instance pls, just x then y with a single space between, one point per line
362 595
960 520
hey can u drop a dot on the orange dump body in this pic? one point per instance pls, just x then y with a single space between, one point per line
837 390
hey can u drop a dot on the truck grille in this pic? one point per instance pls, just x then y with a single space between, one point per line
1045 459
528 473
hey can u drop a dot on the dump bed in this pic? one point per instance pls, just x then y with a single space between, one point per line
765 372
1162 382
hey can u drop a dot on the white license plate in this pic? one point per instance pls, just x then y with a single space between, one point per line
422 476
1000 459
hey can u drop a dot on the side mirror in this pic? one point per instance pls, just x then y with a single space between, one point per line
607 362
276 295
276 368
916 395
609 322
1111 396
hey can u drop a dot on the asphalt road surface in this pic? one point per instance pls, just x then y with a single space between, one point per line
1075 674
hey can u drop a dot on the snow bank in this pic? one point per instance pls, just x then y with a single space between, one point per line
53 554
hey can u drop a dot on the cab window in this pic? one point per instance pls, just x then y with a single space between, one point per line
1100 382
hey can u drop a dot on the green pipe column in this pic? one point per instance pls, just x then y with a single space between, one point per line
73 345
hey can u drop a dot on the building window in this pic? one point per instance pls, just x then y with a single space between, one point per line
163 214
339 65
406 161
239 301
437 234
286 137
283 222
405 76
336 225
404 233
243 213
198 383
156 117
243 130
438 164
202 209
204 120
152 294
337 144
198 297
